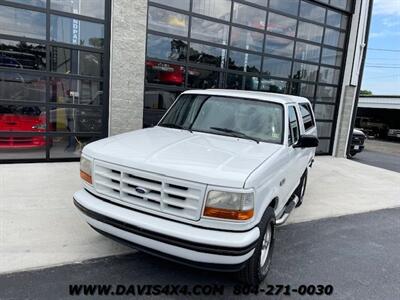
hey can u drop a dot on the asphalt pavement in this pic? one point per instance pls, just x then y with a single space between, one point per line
379 159
357 254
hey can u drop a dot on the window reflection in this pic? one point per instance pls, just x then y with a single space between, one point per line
90 8
305 71
73 91
22 55
13 147
329 75
303 90
343 4
22 22
220 9
326 94
279 46
17 86
331 57
323 146
235 81
68 61
171 74
277 67
203 79
281 24
251 83
166 48
167 21
336 19
324 129
246 39
259 2
38 3
334 38
66 119
254 118
69 146
274 86
249 16
310 32
209 31
156 103
72 31
324 112
307 52
312 12
208 55
181 4
287 6
246 62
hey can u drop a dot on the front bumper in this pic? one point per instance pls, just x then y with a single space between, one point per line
20 142
188 244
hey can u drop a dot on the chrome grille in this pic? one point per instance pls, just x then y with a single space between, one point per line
142 189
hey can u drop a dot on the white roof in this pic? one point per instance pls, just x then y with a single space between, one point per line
388 102
264 96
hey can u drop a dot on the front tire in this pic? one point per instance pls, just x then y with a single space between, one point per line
257 267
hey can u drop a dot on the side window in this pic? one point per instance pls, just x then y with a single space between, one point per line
294 130
307 116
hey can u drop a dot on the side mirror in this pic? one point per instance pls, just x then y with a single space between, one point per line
307 141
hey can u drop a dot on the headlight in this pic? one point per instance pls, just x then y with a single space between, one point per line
86 169
227 205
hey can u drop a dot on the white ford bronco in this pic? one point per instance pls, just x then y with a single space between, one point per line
208 185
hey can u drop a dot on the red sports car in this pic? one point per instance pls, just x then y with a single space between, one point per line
21 119
164 73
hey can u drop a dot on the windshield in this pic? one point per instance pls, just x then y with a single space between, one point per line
244 118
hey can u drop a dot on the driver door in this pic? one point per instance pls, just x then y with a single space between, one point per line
295 154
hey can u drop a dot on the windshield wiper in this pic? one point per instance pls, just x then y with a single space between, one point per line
235 133
173 125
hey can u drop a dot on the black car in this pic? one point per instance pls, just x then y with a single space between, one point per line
357 142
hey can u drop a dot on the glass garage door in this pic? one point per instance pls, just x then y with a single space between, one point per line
53 77
283 46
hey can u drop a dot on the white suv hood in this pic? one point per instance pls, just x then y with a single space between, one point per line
199 157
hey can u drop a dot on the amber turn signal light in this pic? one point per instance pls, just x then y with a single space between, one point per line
86 177
228 214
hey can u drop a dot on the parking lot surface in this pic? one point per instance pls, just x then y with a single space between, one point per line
357 254
40 227
383 146
381 154
379 159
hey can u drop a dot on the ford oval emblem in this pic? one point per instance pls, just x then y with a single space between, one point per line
141 190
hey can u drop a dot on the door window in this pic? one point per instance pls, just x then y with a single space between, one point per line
308 119
294 130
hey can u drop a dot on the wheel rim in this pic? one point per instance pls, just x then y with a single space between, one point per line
266 245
